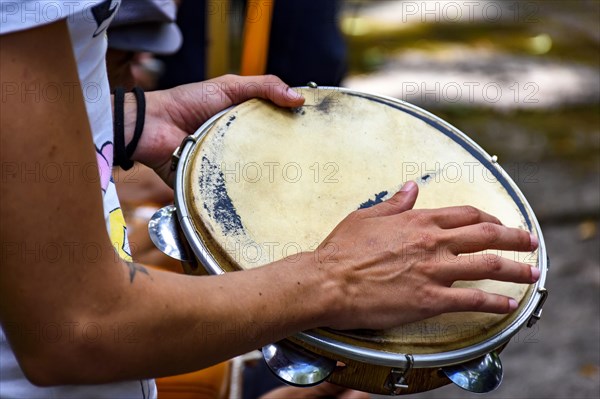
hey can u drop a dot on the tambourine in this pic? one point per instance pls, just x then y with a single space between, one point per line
257 183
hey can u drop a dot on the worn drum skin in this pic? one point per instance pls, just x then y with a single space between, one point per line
257 183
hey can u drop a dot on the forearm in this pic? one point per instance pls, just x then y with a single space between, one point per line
163 323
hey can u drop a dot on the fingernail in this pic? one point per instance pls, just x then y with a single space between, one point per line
293 94
408 186
534 241
512 304
535 274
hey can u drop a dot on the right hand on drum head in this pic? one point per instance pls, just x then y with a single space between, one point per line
393 264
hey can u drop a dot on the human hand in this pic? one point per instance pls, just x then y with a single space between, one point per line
324 390
393 265
173 114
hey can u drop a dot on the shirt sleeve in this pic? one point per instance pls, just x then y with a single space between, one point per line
18 15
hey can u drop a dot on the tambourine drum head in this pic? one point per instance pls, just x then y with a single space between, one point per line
265 183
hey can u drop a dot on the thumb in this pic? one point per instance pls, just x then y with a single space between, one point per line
274 89
268 87
400 202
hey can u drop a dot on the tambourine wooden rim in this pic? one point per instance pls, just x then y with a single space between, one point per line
530 311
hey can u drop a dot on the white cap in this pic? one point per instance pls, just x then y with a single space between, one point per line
145 25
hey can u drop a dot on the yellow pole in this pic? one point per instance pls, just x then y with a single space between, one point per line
217 52
257 28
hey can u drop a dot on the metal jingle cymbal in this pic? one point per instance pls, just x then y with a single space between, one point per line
479 375
164 233
295 365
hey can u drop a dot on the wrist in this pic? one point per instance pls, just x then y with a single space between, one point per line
324 289
144 148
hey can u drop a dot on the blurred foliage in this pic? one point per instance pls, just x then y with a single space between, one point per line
558 31
561 30
569 133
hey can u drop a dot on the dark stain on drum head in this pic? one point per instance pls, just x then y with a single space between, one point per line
370 202
299 111
230 121
327 103
221 209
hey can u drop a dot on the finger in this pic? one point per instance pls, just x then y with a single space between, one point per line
269 87
488 266
458 216
284 392
402 201
352 394
482 236
474 300
325 389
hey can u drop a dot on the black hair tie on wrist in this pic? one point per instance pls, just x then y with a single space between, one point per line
139 121
122 153
119 156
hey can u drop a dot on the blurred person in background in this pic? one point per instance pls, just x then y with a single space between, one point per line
305 42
